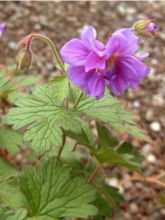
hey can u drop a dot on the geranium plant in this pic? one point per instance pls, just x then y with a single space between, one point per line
70 129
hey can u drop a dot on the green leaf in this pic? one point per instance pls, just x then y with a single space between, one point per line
83 135
106 139
9 186
72 158
60 87
5 85
15 96
110 110
10 194
26 80
129 153
45 120
51 193
107 200
10 140
19 214
6 170
124 156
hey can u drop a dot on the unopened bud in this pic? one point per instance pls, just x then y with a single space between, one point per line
145 28
23 59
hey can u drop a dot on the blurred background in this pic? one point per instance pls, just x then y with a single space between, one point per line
64 20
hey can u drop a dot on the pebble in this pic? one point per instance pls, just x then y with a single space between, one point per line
131 10
162 36
162 212
12 45
146 149
158 100
149 115
136 104
155 126
151 158
121 9
133 208
113 182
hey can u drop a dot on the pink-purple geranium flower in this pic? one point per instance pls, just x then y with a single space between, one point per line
93 66
2 26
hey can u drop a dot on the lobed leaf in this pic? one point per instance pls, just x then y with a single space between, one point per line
51 193
45 120
110 110
10 140
125 155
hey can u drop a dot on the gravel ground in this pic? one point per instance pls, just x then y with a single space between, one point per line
64 20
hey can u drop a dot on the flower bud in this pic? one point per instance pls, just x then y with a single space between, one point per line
23 59
145 28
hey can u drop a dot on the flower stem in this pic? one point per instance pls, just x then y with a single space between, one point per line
61 148
54 49
78 100
94 174
74 147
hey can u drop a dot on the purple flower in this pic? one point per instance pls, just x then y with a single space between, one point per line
2 26
92 82
124 69
94 66
86 51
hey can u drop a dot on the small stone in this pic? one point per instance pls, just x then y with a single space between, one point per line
155 126
113 182
162 36
129 18
149 115
151 158
121 9
133 208
158 100
162 212
131 10
12 45
146 149
136 104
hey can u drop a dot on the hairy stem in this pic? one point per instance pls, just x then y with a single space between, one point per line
54 50
94 174
74 147
67 99
61 148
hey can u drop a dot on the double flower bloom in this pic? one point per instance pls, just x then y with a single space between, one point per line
94 66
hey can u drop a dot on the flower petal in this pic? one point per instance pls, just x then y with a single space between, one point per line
2 26
94 61
130 71
122 42
130 36
89 39
77 75
75 52
143 56
88 35
118 84
138 69
96 84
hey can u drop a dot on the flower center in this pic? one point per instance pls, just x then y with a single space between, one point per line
112 62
